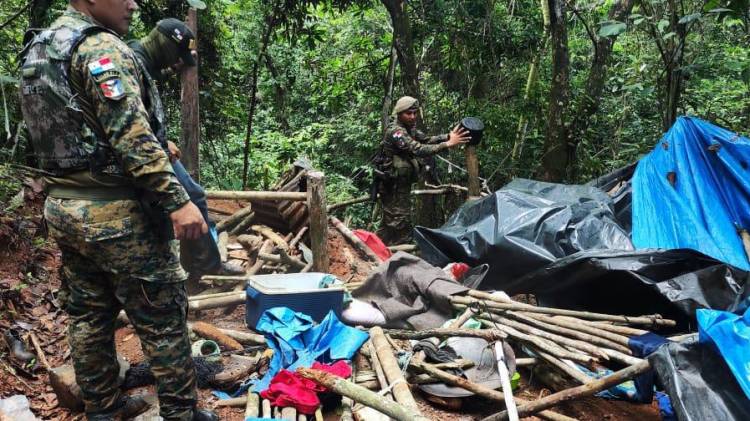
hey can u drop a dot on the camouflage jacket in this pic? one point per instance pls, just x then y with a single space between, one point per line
401 146
152 98
105 70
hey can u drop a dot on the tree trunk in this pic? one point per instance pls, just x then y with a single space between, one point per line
280 93
673 83
189 109
270 26
555 155
38 13
531 82
588 103
404 43
388 88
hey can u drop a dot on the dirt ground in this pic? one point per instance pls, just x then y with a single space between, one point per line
29 290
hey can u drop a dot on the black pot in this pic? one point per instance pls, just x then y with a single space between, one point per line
475 128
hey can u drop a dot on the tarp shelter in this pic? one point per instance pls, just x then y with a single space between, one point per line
693 191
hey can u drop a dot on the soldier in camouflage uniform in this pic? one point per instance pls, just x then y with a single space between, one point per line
169 47
398 166
81 100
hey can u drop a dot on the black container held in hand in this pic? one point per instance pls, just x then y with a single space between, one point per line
475 127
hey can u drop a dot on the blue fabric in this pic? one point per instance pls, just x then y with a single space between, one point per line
730 334
710 199
195 192
297 342
642 346
665 407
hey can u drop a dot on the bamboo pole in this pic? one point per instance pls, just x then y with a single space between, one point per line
494 304
477 389
256 195
588 389
542 343
378 368
571 333
233 402
209 303
289 413
354 240
487 334
360 394
266 408
562 366
361 199
234 219
318 215
403 247
561 340
400 388
252 405
582 327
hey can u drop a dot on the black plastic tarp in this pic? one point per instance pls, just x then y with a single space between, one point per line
567 245
699 382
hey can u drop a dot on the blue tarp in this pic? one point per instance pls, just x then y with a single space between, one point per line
297 342
710 199
730 334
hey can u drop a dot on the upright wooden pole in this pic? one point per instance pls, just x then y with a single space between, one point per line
316 205
472 167
189 108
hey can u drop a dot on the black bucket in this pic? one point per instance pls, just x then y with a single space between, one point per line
475 128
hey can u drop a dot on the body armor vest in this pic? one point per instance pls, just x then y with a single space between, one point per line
155 108
62 140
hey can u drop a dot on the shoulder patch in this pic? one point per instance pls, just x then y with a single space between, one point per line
112 88
101 65
398 134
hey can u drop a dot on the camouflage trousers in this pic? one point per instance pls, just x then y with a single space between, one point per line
395 224
112 260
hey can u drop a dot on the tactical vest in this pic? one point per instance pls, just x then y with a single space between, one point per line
64 136
154 106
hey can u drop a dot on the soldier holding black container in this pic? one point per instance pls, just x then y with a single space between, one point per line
397 166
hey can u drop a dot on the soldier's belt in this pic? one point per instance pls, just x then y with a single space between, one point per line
92 193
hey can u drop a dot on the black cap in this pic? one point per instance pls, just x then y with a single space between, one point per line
177 31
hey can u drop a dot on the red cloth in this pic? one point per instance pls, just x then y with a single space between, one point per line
374 243
290 389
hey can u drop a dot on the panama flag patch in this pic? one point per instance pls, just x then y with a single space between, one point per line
112 88
100 66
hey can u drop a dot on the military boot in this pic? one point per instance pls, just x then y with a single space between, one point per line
127 407
204 415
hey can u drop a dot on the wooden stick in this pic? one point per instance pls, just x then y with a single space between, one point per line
289 413
562 366
425 192
588 389
360 394
487 334
403 247
582 327
378 368
203 296
507 388
396 381
472 168
257 195
245 338
236 218
571 333
266 408
284 259
354 240
494 303
525 362
222 245
252 405
267 247
243 225
229 300
39 351
609 327
209 331
550 346
561 340
346 203
297 238
477 389
271 235
318 216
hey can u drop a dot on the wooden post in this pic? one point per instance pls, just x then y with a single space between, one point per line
393 374
191 131
316 205
472 167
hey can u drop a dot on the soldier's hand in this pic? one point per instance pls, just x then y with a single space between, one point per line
174 151
188 223
458 136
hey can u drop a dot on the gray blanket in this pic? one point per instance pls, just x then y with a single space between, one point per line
411 293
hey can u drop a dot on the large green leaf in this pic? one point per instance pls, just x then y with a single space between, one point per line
612 28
